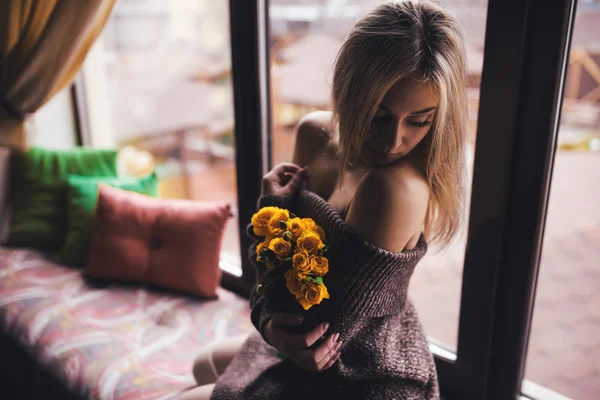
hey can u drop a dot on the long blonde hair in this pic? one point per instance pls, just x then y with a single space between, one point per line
402 40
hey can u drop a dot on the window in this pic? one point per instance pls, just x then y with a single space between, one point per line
159 79
565 336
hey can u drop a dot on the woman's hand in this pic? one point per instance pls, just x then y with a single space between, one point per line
284 179
294 345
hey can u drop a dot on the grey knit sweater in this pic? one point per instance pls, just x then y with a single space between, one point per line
384 352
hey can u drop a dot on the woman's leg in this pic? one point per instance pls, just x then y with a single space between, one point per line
215 357
198 393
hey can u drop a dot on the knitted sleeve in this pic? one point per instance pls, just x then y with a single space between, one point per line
364 281
262 309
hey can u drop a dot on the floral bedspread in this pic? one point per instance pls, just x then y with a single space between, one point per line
110 341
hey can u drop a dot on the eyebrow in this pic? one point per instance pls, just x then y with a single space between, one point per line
423 111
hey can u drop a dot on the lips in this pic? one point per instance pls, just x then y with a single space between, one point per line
382 154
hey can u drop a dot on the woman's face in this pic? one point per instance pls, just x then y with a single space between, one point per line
400 123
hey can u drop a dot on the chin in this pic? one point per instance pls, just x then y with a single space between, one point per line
377 162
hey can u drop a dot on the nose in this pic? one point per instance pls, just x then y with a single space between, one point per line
391 142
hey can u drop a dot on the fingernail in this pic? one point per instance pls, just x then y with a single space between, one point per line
299 318
337 336
326 326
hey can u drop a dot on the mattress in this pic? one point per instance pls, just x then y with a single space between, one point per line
105 340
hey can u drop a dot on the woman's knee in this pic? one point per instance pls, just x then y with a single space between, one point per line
203 369
215 357
224 351
198 393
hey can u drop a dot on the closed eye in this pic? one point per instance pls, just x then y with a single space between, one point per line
420 124
389 118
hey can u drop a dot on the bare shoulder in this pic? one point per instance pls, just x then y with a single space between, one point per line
313 135
404 178
389 206
399 181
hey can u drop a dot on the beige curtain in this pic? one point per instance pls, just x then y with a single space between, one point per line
42 46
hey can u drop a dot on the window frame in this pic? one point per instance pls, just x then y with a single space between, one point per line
521 93
252 120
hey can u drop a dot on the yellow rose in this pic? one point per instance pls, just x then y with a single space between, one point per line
296 226
260 220
321 232
310 243
319 265
280 247
301 263
313 294
274 224
260 247
269 236
295 283
309 224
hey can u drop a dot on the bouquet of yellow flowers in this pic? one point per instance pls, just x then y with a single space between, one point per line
293 248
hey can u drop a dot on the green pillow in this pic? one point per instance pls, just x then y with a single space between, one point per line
82 194
49 165
38 217
40 183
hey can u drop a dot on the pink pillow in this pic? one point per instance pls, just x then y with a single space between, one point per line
169 243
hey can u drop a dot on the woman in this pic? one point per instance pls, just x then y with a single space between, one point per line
389 159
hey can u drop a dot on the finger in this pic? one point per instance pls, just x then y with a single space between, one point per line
283 167
324 349
308 359
307 339
296 181
287 177
330 356
282 319
331 362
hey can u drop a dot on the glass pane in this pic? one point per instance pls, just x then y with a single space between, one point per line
564 346
164 75
305 38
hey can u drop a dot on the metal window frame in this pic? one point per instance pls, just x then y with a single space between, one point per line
251 99
526 48
80 113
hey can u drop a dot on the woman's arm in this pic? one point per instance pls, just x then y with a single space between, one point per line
389 207
308 142
367 281
262 309
312 137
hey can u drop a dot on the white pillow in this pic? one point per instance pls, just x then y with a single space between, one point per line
4 181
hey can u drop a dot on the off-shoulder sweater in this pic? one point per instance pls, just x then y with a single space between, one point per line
384 352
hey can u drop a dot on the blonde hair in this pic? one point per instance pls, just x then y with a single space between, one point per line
408 40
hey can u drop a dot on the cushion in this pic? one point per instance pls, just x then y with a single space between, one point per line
170 243
82 193
40 183
4 181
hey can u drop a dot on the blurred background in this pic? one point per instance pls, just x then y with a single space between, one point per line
159 79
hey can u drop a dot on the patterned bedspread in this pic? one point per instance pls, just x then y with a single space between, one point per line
110 341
